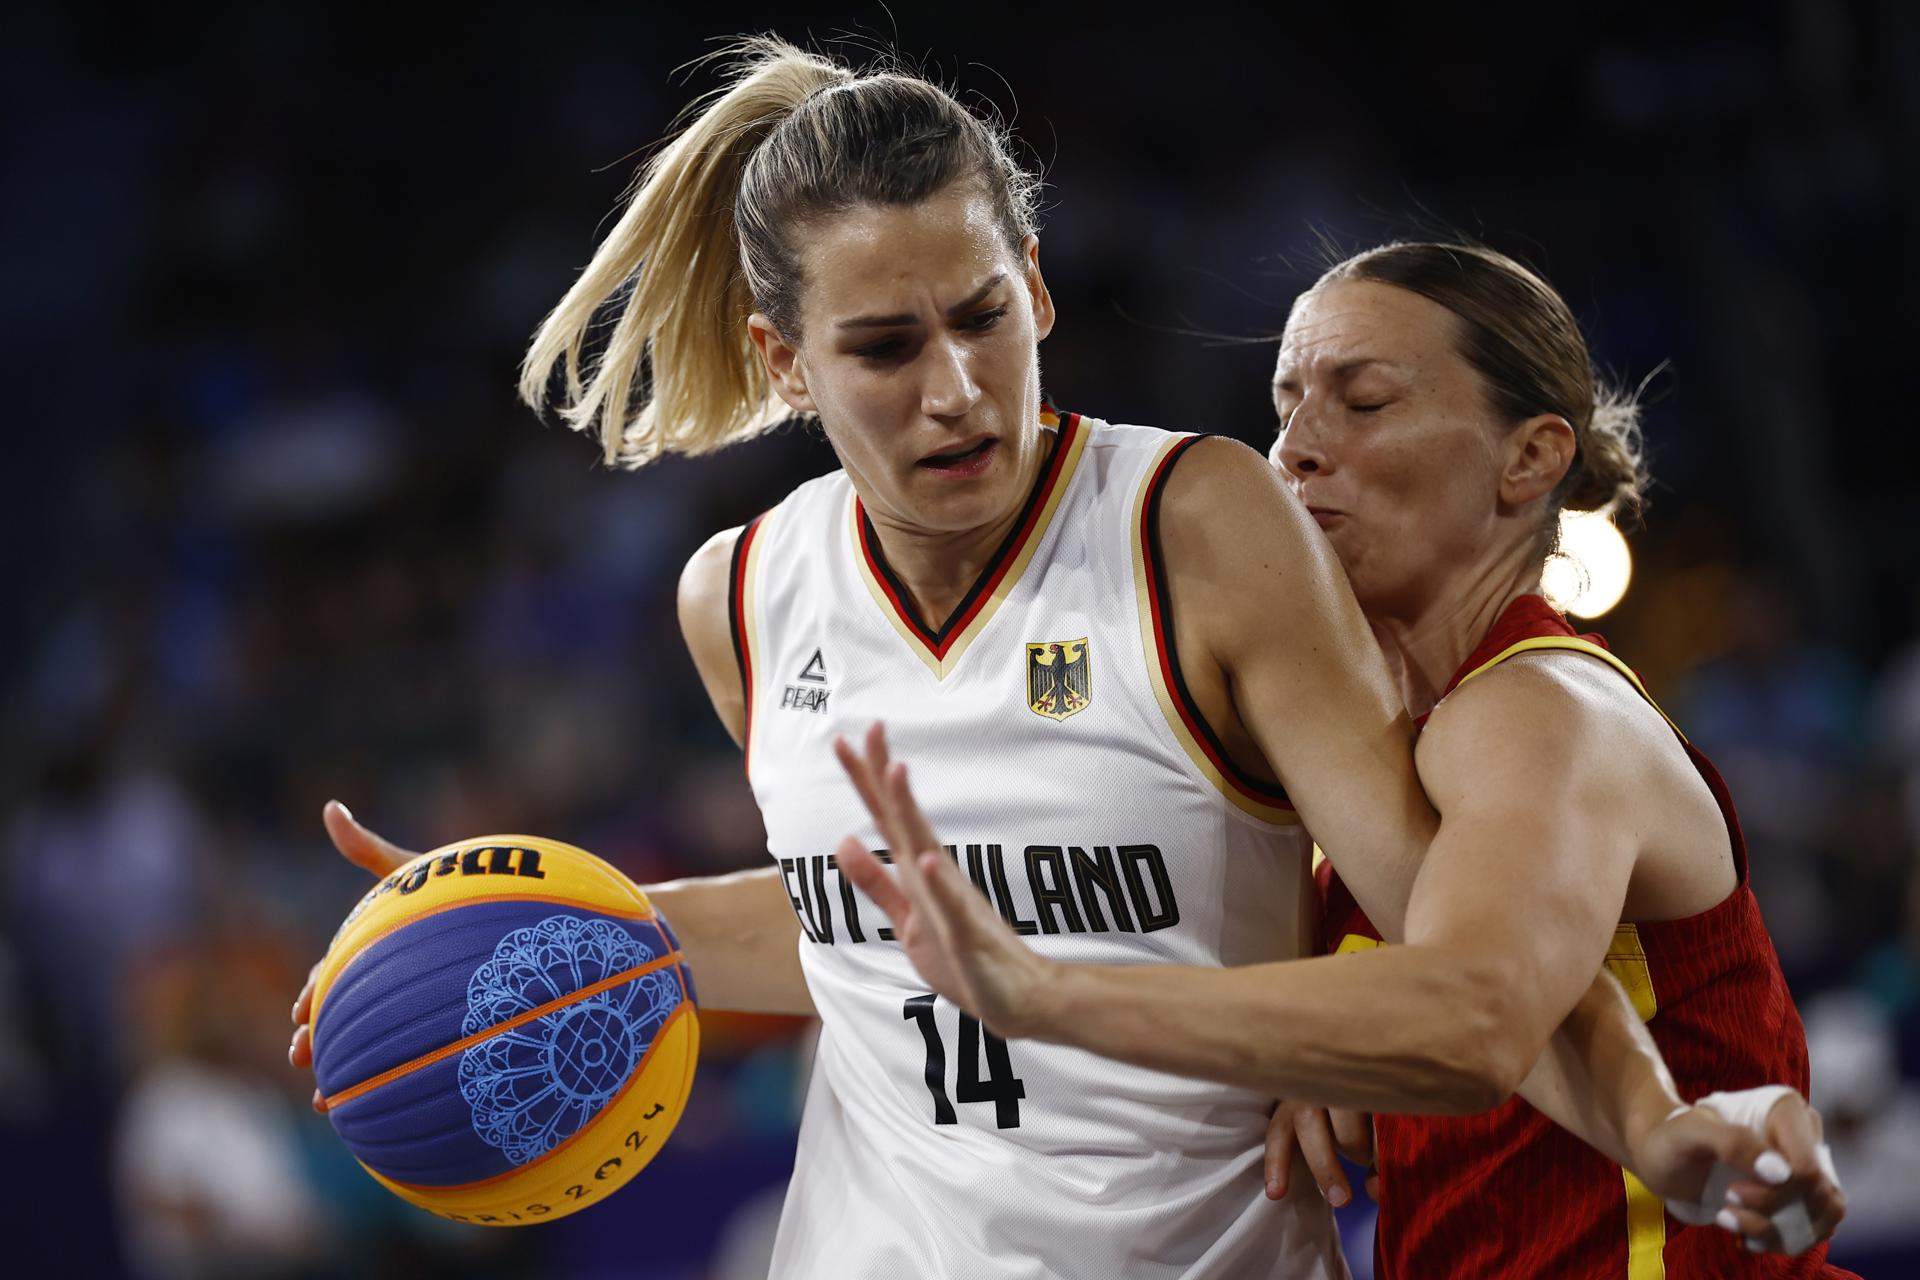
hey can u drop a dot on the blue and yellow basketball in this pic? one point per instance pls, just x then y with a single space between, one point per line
504 1030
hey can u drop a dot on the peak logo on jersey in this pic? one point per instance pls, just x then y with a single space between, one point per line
1059 678
811 693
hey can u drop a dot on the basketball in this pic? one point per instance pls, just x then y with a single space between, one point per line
504 1031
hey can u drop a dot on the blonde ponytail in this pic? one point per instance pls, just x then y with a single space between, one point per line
679 346
705 240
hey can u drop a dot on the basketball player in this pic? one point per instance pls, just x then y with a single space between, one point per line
994 580
1438 409
1447 389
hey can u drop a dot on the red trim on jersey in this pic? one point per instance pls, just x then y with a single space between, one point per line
737 626
1158 602
938 642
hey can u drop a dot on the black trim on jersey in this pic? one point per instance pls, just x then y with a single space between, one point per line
1156 565
1008 545
736 562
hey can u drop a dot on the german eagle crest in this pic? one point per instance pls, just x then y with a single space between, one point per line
1059 678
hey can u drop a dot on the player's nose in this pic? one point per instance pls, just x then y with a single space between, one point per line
950 389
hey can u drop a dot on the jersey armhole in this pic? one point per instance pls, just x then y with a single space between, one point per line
1264 801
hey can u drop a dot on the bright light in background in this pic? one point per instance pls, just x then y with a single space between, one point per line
1590 572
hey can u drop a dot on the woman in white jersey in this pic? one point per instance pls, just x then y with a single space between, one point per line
993 582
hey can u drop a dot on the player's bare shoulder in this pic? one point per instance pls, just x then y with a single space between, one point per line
1555 724
1225 516
704 614
1557 712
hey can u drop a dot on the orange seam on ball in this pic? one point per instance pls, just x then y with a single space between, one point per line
517 1020
319 996
640 1069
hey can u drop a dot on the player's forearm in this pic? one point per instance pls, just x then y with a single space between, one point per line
1601 1077
740 938
1396 1029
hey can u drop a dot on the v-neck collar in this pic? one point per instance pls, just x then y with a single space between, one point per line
940 648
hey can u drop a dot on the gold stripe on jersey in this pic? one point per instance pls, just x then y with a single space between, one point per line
1646 1214
1278 815
1573 644
955 646
1627 961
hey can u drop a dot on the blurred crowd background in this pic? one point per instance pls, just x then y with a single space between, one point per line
281 533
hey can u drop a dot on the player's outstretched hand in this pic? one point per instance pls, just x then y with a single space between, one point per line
1750 1161
1322 1136
373 854
957 941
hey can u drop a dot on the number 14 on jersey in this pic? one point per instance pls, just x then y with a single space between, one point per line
1001 1087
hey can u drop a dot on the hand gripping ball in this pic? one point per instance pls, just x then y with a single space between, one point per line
504 1030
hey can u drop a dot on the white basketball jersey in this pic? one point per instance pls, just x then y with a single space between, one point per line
1051 742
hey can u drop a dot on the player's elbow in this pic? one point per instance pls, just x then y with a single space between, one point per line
1486 1057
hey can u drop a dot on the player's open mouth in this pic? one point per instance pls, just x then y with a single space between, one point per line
967 460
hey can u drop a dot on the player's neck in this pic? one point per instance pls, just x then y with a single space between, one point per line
1426 640
939 567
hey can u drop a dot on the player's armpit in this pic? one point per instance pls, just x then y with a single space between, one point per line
705 623
1263 614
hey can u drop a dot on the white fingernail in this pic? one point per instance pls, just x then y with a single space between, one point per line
1773 1167
1754 1246
1726 1219
1733 1197
345 810
1336 1196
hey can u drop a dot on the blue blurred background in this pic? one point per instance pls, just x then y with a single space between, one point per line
281 533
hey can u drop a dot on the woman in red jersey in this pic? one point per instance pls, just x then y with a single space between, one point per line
1438 410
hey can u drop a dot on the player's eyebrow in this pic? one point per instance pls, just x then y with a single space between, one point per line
1286 380
899 319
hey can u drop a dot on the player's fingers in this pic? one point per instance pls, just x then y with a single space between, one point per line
869 772
319 1103
1279 1155
860 774
1315 1137
859 865
1756 1229
964 913
1373 1185
907 810
1714 1138
1827 1213
300 1052
866 782
1793 1129
1353 1132
1762 1197
361 847
900 834
1802 1216
303 1003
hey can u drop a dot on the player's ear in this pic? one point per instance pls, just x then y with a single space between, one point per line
1535 458
785 369
1043 314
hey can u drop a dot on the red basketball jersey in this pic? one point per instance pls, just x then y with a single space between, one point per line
1508 1193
